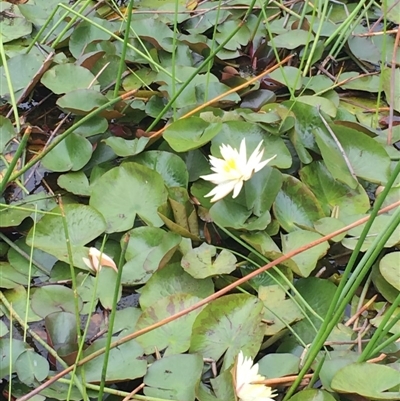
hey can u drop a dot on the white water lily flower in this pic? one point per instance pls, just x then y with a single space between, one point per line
233 169
98 259
246 374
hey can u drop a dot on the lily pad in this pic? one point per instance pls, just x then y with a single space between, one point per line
175 377
296 206
199 262
84 224
389 268
128 191
125 362
31 367
219 330
70 154
356 378
306 261
149 249
65 78
190 133
173 337
333 193
172 279
54 298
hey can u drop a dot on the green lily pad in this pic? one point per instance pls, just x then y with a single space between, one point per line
84 224
173 337
307 260
296 206
356 378
7 131
175 377
10 350
76 182
230 213
278 365
127 191
389 268
63 78
124 147
170 280
170 166
277 309
288 76
190 133
10 277
293 39
312 395
125 362
70 154
53 298
18 296
149 249
13 23
262 188
199 262
31 367
219 330
333 193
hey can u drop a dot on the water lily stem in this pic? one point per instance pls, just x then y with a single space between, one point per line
14 161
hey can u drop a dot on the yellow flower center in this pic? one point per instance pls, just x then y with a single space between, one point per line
230 165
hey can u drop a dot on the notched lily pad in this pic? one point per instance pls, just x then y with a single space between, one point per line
199 262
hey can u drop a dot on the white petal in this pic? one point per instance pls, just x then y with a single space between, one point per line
220 191
237 188
264 163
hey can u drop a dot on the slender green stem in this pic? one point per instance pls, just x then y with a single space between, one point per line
112 315
121 65
381 330
9 85
81 339
21 147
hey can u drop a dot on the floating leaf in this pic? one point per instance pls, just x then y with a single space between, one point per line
312 395
219 330
149 249
53 298
173 337
70 154
77 183
277 309
278 365
124 147
31 367
293 39
125 362
332 193
63 78
305 261
10 350
296 206
174 377
172 279
128 191
13 23
388 77
389 268
356 378
190 133
170 166
199 262
84 224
